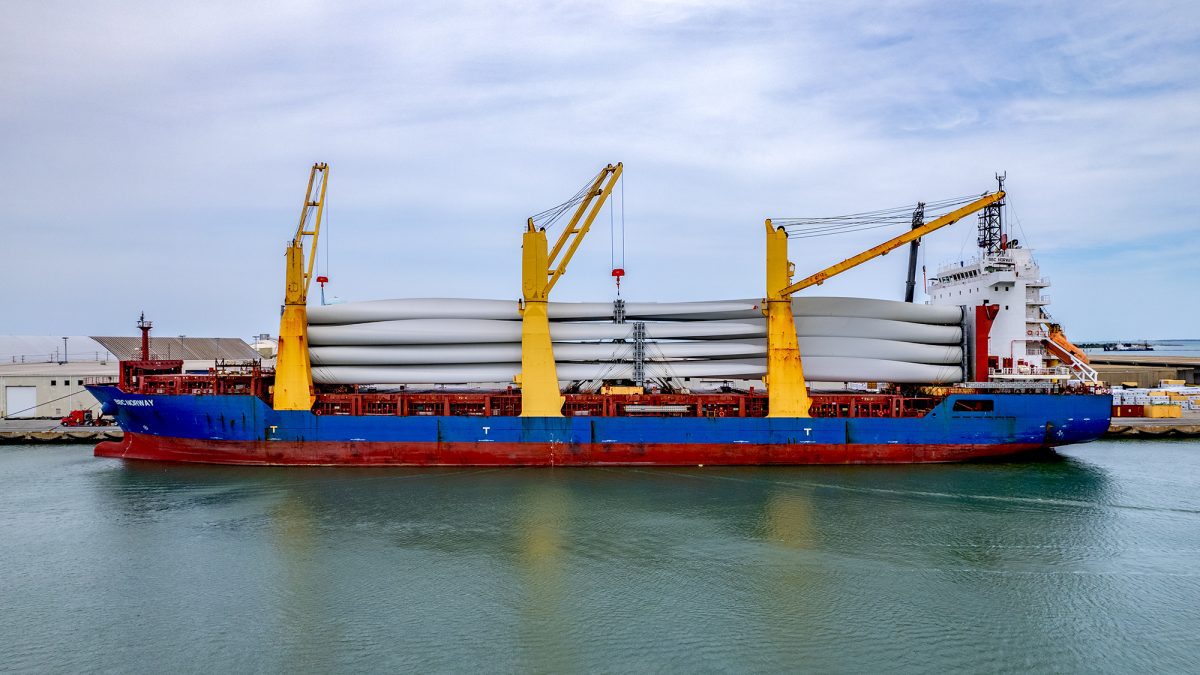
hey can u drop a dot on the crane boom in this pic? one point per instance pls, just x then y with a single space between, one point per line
894 243
574 233
540 270
293 370
787 392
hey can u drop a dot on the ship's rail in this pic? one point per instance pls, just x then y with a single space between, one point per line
201 385
615 405
1017 387
163 378
166 378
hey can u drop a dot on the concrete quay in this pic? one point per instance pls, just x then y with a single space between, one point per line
50 431
1148 427
1146 369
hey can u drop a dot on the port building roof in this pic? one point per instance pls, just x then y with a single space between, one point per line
48 348
185 348
18 349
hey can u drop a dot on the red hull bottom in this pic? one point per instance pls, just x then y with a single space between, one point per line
282 453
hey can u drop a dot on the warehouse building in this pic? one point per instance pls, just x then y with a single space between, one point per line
45 376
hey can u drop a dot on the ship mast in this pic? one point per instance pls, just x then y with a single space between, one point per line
991 223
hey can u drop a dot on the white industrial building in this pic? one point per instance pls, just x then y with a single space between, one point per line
39 378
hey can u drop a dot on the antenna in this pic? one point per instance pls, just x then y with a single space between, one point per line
145 327
991 224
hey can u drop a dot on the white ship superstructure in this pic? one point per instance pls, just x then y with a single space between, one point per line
1011 279
1024 342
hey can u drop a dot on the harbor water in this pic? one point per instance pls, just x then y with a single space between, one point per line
1086 561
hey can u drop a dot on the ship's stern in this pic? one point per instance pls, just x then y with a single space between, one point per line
1076 418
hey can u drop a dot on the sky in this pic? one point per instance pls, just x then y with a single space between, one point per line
155 154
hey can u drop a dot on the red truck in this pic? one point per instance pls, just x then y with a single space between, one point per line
84 418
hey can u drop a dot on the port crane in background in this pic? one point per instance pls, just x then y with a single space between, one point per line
540 271
293 370
786 390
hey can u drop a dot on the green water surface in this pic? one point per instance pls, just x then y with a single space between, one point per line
1084 563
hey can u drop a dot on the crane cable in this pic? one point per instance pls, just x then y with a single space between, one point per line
924 274
316 253
612 241
550 217
328 221
546 220
808 228
616 265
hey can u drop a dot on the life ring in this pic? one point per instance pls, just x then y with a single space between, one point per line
1029 332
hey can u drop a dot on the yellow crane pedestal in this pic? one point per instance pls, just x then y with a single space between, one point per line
293 371
787 394
540 395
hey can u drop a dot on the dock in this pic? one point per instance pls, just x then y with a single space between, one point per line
1147 427
1147 359
14 432
1146 369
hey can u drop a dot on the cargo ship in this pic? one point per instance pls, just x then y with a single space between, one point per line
444 382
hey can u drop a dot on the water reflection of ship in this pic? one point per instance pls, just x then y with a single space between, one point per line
452 510
731 499
555 553
543 604
306 578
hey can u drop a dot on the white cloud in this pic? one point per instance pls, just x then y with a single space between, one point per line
155 153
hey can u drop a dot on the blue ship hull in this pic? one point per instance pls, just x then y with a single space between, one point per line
239 429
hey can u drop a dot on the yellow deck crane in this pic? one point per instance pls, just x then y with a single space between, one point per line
540 270
293 371
787 393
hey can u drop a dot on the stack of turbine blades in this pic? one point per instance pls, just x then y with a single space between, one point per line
461 340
